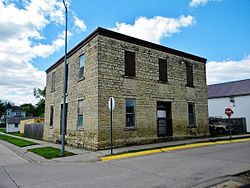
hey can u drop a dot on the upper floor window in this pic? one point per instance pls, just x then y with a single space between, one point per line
163 76
53 81
191 115
80 119
130 113
129 63
81 68
189 71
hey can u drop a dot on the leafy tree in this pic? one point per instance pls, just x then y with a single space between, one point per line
40 106
29 108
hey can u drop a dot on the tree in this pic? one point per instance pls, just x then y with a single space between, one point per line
40 106
29 108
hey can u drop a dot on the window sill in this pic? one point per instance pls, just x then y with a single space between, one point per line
162 82
80 129
192 127
129 77
129 129
50 127
52 91
192 86
81 79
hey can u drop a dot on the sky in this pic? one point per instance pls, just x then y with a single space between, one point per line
32 35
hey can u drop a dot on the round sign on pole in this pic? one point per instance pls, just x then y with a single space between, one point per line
228 112
111 103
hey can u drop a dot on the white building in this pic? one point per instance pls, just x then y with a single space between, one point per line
235 95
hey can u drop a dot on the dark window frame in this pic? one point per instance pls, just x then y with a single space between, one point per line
191 115
81 67
51 119
130 64
80 115
163 70
130 114
190 75
53 81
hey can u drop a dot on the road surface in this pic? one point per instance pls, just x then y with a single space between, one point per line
183 168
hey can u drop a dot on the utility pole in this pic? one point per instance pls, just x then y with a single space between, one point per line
65 82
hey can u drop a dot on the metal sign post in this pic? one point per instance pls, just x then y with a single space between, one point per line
229 112
111 108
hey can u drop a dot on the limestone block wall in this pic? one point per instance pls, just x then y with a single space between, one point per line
85 89
146 90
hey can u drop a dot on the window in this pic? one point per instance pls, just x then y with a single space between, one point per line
81 69
51 116
16 125
163 70
191 114
53 81
129 64
189 69
232 102
130 113
80 119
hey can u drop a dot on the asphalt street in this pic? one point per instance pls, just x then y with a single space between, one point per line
183 168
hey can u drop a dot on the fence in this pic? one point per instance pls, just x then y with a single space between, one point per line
34 130
239 124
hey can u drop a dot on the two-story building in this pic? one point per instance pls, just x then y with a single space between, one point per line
13 116
159 92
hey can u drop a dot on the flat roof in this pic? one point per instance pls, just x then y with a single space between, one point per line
129 39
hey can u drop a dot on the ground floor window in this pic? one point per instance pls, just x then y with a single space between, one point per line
130 113
80 119
191 114
51 116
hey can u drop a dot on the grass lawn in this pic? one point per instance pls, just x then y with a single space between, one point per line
50 152
3 130
16 141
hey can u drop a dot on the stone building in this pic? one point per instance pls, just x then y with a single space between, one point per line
159 92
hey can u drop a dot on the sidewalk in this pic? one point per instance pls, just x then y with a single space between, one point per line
83 156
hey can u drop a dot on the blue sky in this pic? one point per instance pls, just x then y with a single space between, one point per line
31 35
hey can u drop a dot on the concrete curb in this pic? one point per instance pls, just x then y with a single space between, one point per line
171 148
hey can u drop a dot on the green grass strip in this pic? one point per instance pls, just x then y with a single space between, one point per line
50 152
16 141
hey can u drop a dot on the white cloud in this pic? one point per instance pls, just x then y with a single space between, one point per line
229 70
196 3
22 40
154 29
80 25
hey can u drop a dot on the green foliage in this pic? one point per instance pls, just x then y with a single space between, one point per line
16 141
29 109
50 152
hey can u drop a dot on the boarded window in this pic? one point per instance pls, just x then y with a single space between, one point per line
81 66
163 70
80 119
51 116
53 81
130 113
189 69
129 63
191 114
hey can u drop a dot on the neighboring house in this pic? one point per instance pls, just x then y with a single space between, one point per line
13 124
235 95
13 115
15 111
159 92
